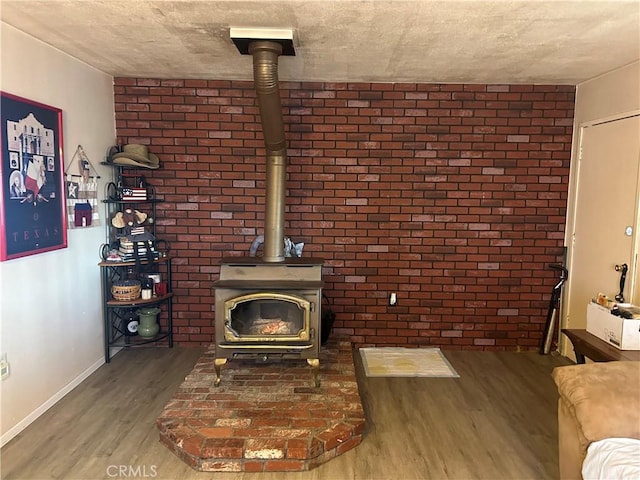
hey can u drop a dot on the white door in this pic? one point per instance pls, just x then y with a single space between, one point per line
606 216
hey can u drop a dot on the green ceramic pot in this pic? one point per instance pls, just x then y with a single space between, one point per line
148 326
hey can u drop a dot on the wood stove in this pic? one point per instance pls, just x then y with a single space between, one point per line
268 311
269 307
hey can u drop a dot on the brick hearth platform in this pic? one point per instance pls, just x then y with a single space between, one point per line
265 416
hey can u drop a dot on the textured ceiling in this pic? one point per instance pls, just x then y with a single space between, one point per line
508 41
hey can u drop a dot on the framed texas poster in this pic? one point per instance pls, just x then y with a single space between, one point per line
32 213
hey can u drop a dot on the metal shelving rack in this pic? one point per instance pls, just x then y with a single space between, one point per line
116 313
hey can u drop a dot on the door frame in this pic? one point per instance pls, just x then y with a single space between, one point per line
564 345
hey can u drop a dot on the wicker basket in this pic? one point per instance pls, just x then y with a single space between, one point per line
126 290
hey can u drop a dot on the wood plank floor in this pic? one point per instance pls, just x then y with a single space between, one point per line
497 421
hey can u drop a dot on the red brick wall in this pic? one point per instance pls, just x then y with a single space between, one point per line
453 196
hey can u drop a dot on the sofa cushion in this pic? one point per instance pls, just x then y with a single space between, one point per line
603 397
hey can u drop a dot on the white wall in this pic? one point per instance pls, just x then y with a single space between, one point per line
50 304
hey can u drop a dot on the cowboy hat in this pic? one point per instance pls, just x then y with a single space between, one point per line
136 155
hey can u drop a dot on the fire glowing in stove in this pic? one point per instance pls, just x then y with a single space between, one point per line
265 326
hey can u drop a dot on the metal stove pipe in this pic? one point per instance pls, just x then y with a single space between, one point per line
265 71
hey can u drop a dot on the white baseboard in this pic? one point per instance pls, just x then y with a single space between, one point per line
11 433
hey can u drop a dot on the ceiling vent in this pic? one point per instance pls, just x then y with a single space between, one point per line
242 37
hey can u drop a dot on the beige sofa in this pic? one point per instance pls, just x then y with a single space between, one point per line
597 401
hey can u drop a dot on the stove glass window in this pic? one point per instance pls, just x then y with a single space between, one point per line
265 315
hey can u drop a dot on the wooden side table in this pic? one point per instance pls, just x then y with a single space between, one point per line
587 345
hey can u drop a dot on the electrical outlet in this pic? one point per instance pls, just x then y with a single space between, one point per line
4 367
393 299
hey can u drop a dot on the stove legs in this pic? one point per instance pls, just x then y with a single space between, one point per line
217 363
315 364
